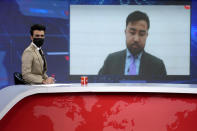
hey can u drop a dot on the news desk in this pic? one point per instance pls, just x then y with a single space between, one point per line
99 107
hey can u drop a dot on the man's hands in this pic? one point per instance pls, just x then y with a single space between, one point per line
49 80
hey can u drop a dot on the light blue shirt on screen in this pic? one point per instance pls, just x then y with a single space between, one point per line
129 57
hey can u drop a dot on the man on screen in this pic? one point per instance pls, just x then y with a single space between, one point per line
134 60
34 65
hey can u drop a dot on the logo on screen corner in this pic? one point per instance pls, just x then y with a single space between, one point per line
187 7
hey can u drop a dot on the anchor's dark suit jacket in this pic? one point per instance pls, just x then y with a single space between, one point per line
150 66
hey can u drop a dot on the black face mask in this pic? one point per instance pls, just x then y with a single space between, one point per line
38 41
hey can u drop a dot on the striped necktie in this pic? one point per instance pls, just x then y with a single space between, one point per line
42 55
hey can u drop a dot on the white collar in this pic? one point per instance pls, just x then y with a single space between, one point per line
36 46
138 56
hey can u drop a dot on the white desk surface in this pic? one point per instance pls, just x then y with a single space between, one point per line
11 95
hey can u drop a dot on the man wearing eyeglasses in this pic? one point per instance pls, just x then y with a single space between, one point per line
134 60
34 64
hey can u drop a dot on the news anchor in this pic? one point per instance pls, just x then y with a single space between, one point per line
134 60
34 65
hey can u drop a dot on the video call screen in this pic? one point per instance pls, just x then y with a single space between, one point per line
99 30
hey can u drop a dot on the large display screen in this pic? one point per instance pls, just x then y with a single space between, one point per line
97 31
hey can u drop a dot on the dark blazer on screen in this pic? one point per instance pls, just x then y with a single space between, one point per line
150 66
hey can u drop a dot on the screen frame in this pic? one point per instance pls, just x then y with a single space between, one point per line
136 78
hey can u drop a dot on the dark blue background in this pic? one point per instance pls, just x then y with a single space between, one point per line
16 17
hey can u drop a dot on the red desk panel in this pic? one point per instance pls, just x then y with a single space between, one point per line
103 112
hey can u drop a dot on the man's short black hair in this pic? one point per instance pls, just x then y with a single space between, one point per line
137 16
37 27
